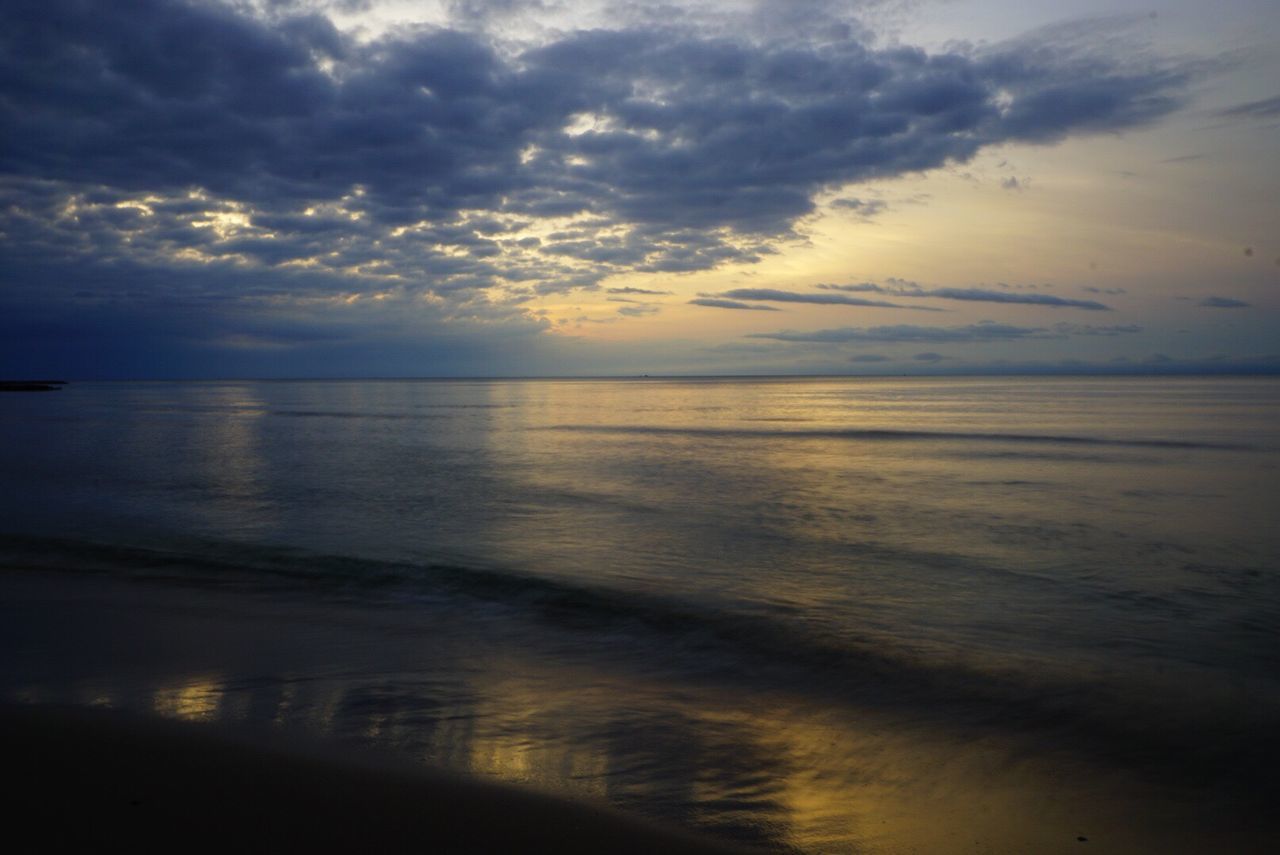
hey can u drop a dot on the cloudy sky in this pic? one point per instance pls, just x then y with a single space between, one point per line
193 188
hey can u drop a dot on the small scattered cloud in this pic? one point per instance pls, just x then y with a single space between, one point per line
858 288
639 311
1223 303
903 288
986 296
778 296
1089 329
716 303
1264 109
631 290
866 209
981 332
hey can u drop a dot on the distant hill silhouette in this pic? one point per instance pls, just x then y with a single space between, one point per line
31 385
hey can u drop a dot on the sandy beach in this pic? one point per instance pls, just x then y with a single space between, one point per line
91 776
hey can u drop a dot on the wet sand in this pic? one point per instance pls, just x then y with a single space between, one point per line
86 777
252 722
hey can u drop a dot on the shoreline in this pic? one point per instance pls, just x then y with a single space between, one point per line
219 701
88 775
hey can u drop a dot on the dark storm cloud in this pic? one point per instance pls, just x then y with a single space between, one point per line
695 133
235 156
980 295
1070 77
714 303
1223 303
753 131
206 331
295 6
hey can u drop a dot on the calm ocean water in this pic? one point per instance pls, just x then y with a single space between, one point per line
801 612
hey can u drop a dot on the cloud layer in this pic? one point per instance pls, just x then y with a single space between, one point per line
160 156
976 295
984 332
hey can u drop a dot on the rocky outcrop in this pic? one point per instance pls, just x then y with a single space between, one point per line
31 385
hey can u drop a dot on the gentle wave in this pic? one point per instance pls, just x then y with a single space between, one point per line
904 435
706 643
689 626
785 638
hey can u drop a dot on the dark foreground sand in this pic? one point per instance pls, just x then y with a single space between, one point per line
89 779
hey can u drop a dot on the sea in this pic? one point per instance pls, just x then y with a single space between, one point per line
997 614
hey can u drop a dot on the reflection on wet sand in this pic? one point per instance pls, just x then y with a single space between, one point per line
708 768
766 770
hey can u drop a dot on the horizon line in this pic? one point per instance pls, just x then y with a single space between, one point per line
1250 371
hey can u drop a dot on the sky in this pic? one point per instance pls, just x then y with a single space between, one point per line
357 188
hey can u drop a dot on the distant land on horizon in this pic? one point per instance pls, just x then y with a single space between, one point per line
1128 371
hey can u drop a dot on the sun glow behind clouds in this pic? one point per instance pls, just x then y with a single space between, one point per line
509 163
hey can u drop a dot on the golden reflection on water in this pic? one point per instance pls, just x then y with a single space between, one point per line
195 699
232 450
